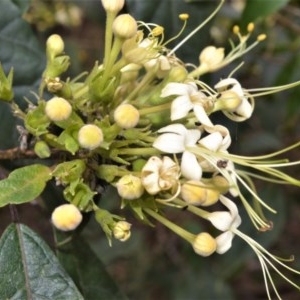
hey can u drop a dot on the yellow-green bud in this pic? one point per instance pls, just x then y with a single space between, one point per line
42 150
196 193
126 116
177 74
122 231
66 217
204 244
90 136
58 109
113 6
130 187
54 45
228 101
124 26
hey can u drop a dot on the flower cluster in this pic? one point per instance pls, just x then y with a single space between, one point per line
141 123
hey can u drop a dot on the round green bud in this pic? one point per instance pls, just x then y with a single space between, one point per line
41 149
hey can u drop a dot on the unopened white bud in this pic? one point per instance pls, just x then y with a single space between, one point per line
126 116
66 217
130 187
204 244
55 45
124 26
58 109
122 231
113 6
211 57
90 136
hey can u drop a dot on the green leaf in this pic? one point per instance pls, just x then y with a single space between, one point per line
87 270
36 121
255 9
24 184
29 269
21 51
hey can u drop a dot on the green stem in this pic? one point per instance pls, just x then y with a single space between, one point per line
189 237
137 151
193 209
111 59
108 36
144 82
154 109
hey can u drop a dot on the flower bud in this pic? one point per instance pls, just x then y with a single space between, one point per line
124 26
42 150
204 244
54 45
211 57
113 6
90 136
126 116
228 101
130 187
66 217
177 74
58 109
122 231
196 193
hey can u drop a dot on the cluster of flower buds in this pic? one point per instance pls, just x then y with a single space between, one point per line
141 122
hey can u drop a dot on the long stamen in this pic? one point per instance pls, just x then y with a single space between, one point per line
197 28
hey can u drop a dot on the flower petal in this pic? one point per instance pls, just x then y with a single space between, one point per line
245 109
221 220
231 206
190 168
192 136
224 242
212 141
202 116
180 107
170 143
173 88
174 128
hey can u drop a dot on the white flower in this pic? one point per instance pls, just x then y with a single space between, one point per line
175 139
189 98
226 221
245 109
159 174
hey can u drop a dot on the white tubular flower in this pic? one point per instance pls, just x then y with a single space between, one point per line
226 221
175 139
189 98
160 174
245 109
218 140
